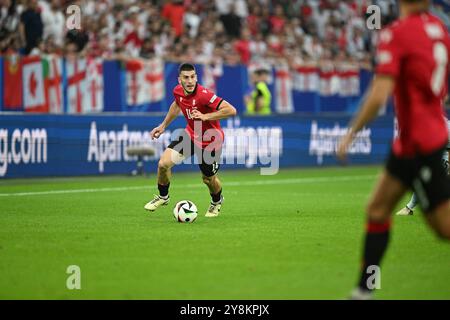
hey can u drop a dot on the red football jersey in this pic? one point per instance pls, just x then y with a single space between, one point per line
415 51
204 101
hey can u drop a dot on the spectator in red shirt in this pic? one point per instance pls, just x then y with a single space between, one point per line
306 11
278 20
242 46
254 20
174 12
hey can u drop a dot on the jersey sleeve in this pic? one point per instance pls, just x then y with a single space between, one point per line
389 53
211 100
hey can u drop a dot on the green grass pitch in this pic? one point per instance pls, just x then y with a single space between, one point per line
294 235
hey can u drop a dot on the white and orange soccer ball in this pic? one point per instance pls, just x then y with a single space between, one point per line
185 211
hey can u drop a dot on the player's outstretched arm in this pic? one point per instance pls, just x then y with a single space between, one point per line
226 110
381 88
173 112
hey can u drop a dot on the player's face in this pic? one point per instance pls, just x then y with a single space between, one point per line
188 79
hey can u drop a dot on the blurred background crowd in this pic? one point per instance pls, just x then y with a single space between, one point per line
202 31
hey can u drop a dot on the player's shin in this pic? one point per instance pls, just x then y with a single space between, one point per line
216 197
163 190
163 180
375 245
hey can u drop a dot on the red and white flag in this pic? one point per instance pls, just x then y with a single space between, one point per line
144 81
211 72
342 80
154 79
53 83
76 84
329 81
33 85
93 99
306 79
349 82
283 90
135 83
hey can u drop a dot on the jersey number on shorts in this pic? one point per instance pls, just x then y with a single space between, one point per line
215 167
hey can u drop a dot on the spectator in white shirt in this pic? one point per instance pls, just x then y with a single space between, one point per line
54 22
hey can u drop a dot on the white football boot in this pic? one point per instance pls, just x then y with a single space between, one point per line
214 209
405 212
156 203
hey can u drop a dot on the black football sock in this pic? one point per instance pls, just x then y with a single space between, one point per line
216 197
163 190
375 245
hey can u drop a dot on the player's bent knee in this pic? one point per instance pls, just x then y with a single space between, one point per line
377 213
439 220
443 232
164 165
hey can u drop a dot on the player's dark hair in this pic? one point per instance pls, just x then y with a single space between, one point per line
186 67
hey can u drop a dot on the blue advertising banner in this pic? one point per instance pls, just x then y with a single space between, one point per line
63 145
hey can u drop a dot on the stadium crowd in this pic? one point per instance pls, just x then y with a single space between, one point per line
228 31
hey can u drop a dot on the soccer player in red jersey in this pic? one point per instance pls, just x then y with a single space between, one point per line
412 63
203 137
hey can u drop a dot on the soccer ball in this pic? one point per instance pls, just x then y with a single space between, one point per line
185 211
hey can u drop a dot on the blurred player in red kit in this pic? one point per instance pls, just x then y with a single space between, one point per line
203 137
412 63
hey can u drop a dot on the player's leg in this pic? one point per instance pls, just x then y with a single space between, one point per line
392 185
215 190
165 164
439 220
214 185
179 149
168 159
209 167
174 154
388 192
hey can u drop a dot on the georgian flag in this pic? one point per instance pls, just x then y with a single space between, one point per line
33 85
306 79
283 90
93 99
154 79
329 81
211 72
349 82
144 81
135 83
76 84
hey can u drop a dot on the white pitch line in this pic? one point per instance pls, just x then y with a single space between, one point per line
198 185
